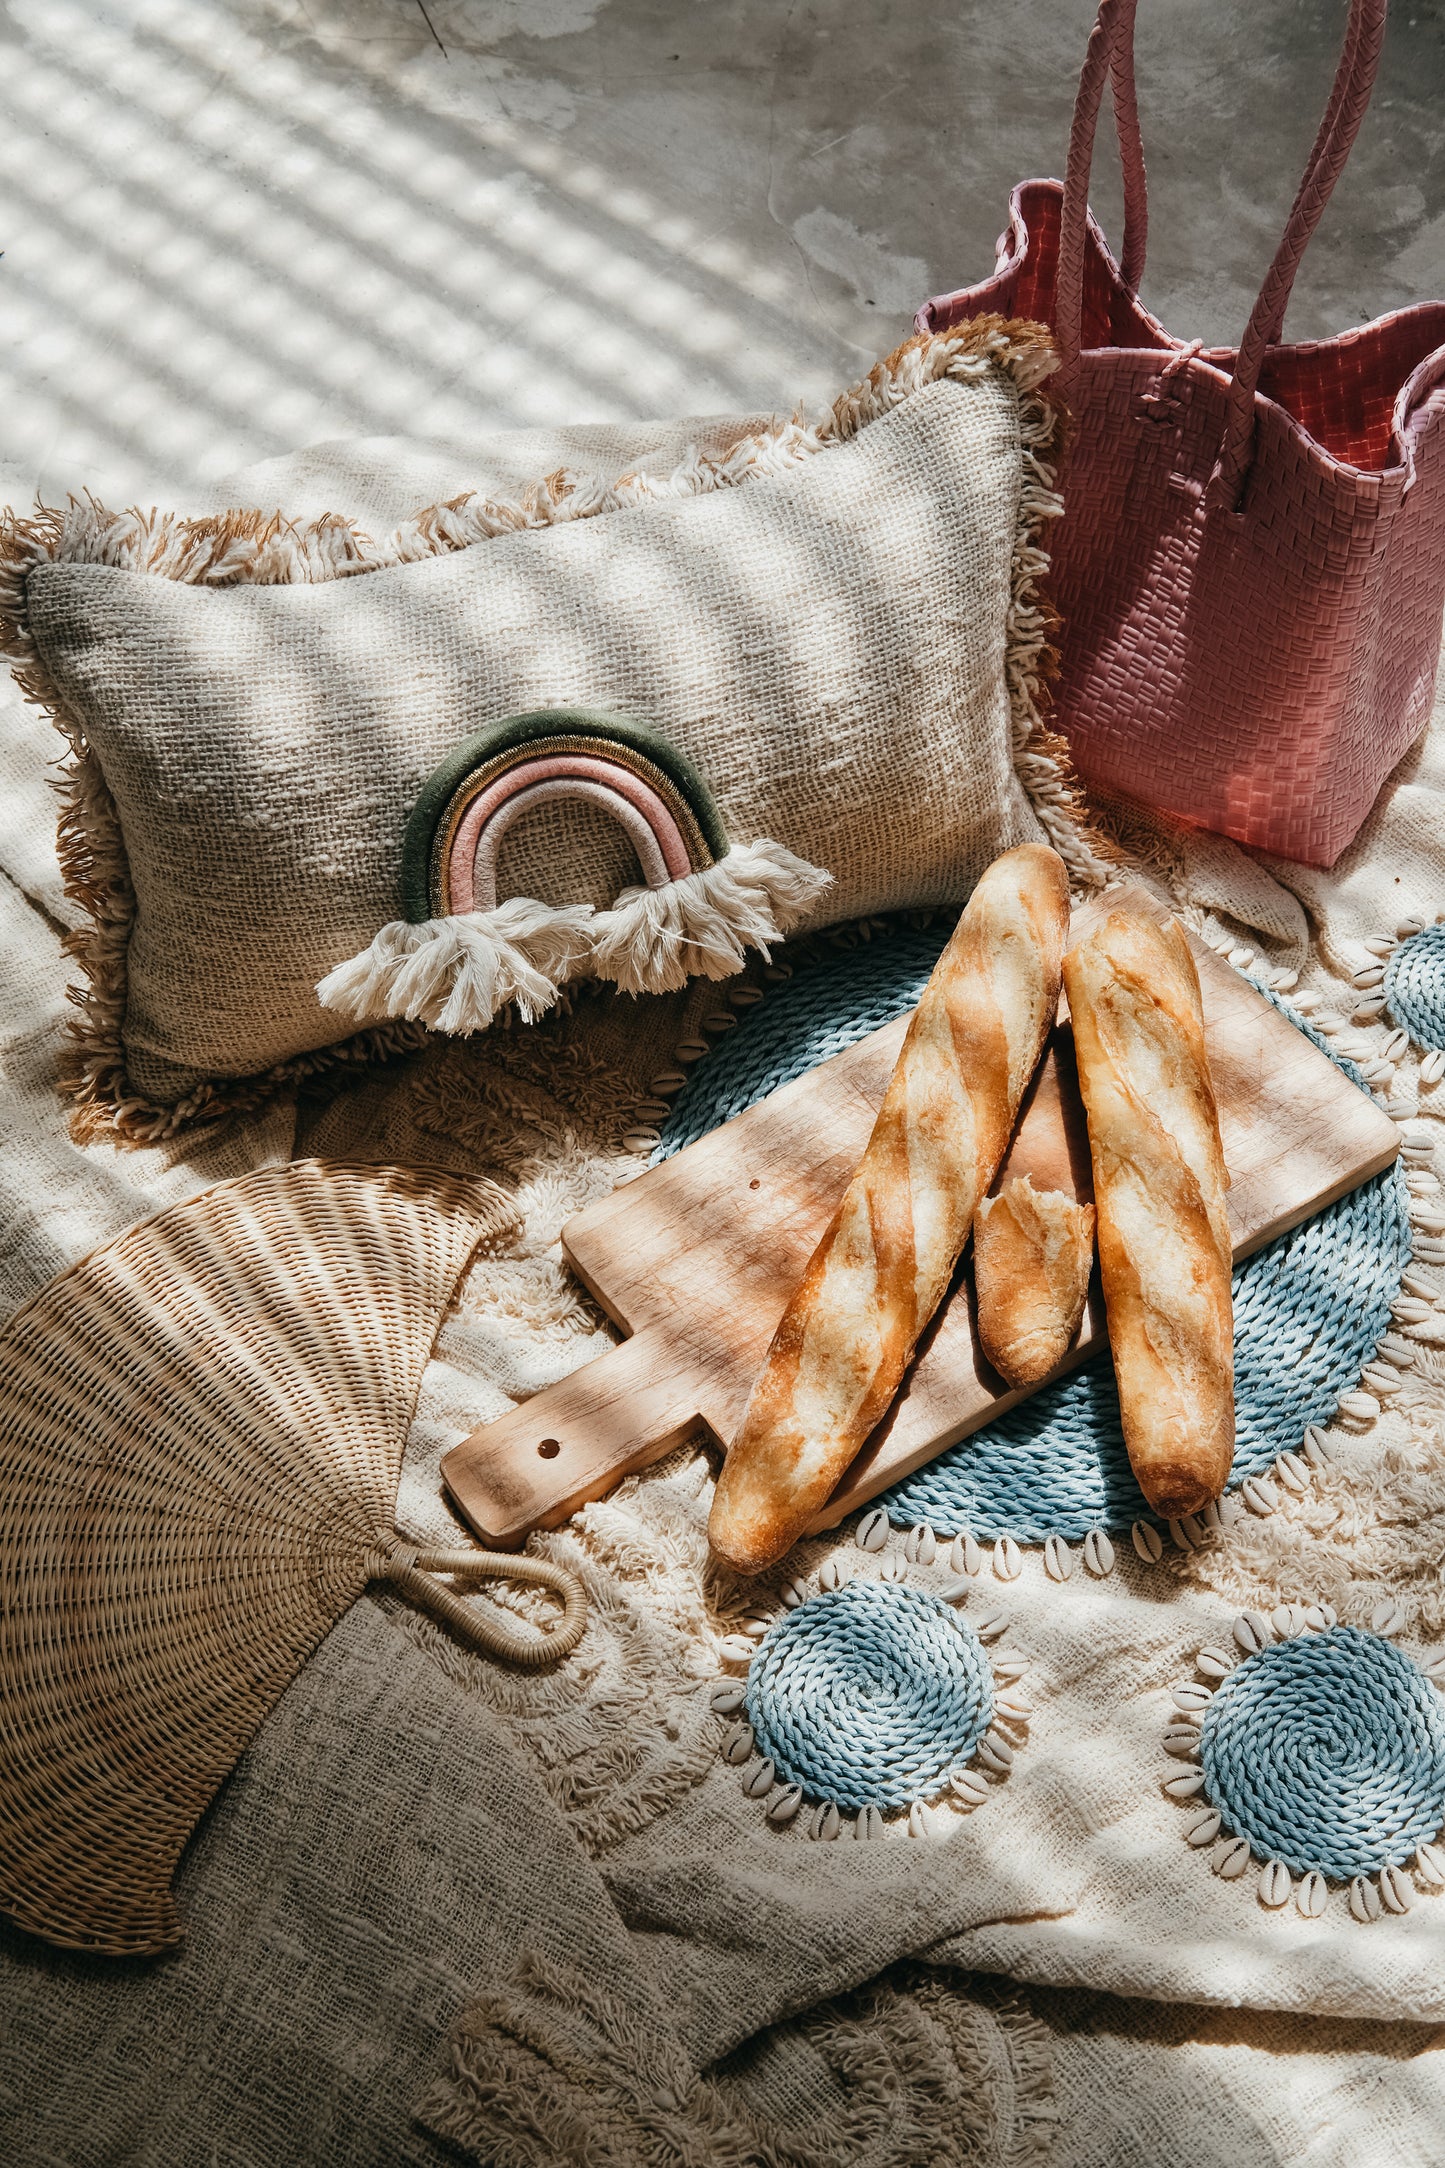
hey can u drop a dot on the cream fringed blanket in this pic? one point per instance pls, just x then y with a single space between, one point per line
562 1875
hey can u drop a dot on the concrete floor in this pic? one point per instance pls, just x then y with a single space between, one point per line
232 227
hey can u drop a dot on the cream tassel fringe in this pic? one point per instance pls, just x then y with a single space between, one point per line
456 973
653 940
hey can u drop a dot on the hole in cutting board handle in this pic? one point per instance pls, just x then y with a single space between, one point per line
550 1448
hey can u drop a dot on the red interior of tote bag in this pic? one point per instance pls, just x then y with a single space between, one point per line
1342 390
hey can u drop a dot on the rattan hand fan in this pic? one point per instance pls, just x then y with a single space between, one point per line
201 1431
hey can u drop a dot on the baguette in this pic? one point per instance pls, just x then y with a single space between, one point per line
1165 1249
1032 1253
885 1262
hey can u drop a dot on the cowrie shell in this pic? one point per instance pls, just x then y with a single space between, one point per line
1312 1896
1379 946
1214 1663
826 1823
1185 1534
1396 1894
1058 1558
1190 1697
1287 1619
872 1530
1275 1885
737 1745
1007 1666
869 1826
759 1782
1013 1706
1204 1831
1359 1407
785 1807
755 1628
1188 1786
1316 1447
893 1569
830 1574
727 1700
917 1819
1319 1617
1233 1860
990 1625
1260 1496
969 1790
1369 975
1008 1560
1293 1473
794 1594
964 1555
920 1545
1098 1552
1253 1632
955 1591
1182 1740
1388 1617
1430 1865
1365 1904
736 1649
1432 1068
995 1752
1148 1542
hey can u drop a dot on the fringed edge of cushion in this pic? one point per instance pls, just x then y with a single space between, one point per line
254 548
653 940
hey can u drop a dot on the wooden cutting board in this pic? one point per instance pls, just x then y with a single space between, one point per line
695 1259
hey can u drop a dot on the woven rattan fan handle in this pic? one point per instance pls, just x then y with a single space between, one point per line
412 1572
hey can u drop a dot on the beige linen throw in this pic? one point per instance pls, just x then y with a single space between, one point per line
308 2014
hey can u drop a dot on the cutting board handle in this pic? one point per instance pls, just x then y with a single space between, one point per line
575 1440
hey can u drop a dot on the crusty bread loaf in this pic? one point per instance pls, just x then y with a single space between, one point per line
1165 1249
1032 1254
884 1264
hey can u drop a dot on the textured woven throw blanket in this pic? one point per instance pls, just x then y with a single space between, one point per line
555 1906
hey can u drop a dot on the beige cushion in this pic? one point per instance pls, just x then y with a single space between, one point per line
835 623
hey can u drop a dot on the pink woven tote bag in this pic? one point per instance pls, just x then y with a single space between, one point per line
1251 564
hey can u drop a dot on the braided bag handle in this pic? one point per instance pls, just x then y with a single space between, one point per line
1110 50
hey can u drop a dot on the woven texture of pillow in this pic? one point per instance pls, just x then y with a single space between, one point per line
794 679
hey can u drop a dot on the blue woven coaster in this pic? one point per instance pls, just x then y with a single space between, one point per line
1414 987
1327 1751
1309 1309
870 1695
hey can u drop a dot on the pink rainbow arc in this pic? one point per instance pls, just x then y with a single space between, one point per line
472 862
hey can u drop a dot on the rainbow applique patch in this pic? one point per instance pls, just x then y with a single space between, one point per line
458 954
467 805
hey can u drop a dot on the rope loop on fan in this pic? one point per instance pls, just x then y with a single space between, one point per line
413 1572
